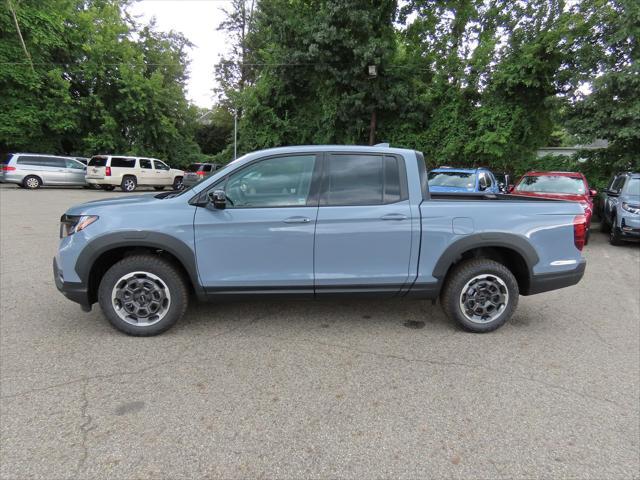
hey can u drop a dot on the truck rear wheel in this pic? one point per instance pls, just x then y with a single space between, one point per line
143 295
480 294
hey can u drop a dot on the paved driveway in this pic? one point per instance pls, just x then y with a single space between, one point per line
349 389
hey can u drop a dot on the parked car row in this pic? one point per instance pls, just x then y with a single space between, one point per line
620 208
34 170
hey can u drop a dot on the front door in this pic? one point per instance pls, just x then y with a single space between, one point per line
162 173
363 231
263 241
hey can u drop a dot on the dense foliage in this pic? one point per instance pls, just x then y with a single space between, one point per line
466 81
89 79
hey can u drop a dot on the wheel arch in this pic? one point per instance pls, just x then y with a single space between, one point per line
511 250
24 180
99 255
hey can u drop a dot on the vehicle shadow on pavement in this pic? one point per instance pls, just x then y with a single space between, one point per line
319 314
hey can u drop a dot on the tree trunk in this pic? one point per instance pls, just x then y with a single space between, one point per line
372 128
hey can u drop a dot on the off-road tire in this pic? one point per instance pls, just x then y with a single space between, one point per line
463 273
163 269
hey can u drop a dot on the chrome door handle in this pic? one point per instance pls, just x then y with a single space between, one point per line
297 220
394 216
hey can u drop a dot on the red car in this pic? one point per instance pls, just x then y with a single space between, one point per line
563 185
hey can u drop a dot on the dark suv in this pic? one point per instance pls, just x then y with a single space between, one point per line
621 208
196 172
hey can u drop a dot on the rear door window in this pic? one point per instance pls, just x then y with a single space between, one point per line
56 162
120 162
40 161
362 180
145 163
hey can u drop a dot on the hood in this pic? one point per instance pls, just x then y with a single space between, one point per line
439 188
559 196
632 199
88 207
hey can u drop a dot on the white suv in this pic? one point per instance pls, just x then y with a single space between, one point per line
111 171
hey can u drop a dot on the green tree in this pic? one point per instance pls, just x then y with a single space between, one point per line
100 82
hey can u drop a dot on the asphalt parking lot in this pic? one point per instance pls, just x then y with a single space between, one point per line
335 389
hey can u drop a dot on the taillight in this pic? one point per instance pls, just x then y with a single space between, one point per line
200 173
107 171
579 231
8 168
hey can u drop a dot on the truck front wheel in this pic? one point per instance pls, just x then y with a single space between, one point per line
143 295
480 294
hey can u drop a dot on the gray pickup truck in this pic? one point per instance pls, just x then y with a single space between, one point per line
316 221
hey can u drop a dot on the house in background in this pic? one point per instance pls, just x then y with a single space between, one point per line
598 144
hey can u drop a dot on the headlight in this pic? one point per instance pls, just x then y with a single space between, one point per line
70 224
631 208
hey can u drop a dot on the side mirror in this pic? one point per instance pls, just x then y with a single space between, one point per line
218 198
593 192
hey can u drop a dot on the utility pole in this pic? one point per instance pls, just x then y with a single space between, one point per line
373 74
235 133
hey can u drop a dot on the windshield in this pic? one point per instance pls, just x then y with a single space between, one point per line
633 187
551 184
98 161
452 179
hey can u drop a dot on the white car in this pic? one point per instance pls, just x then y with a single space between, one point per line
111 171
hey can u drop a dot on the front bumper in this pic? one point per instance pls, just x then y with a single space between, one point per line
553 281
74 291
630 228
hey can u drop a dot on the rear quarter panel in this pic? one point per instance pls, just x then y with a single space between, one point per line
547 226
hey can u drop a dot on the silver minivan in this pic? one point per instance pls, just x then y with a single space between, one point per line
32 170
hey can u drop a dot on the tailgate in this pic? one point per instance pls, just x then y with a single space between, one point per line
95 172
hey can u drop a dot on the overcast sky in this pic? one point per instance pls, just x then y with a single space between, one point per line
198 21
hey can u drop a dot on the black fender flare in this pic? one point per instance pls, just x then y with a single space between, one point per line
161 241
511 241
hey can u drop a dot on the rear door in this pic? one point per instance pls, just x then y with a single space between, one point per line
54 171
162 173
363 231
147 173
